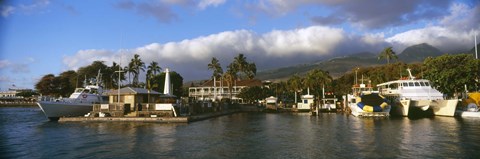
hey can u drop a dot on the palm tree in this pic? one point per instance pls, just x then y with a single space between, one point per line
230 76
114 75
130 70
295 84
316 79
154 68
216 67
251 70
388 54
138 65
241 64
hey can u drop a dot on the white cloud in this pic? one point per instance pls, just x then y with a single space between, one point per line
206 3
86 57
192 55
453 33
14 67
373 39
4 64
7 10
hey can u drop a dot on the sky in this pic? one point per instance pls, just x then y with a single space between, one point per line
40 37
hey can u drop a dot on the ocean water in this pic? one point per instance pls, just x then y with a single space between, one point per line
26 133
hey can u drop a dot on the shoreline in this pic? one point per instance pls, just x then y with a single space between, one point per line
18 104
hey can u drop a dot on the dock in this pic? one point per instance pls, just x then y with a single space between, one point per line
185 119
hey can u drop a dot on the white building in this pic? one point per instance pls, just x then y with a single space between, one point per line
219 90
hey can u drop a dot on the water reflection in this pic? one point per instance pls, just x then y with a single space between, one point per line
240 136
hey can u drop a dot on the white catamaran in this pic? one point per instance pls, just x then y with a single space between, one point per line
410 92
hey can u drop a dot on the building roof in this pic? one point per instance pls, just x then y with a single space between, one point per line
247 82
131 90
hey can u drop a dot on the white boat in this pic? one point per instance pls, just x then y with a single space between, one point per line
470 106
271 103
410 93
364 102
79 103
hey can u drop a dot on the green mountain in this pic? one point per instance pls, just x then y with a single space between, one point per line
336 66
417 53
340 65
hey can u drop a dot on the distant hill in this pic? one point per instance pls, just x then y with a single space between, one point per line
336 66
418 53
340 65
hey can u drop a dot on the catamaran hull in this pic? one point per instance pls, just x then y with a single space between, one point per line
55 110
439 107
444 107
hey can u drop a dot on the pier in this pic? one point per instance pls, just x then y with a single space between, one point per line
185 119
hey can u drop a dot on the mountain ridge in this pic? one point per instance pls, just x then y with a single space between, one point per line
337 66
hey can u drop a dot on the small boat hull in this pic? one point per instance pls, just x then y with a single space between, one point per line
462 113
55 110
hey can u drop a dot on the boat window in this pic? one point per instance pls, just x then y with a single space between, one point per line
422 83
405 84
427 84
410 84
79 90
94 91
305 101
394 86
85 91
417 84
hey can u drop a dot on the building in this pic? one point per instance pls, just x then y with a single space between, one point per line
133 96
219 90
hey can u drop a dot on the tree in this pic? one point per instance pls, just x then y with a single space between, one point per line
67 83
245 69
252 94
90 72
317 79
450 73
154 68
175 79
129 69
295 83
216 67
138 65
251 70
47 86
114 76
388 54
230 76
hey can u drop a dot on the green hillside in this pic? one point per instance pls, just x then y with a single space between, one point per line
341 65
417 53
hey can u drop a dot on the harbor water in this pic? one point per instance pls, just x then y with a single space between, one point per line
26 133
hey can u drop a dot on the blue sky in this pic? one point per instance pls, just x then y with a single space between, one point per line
39 37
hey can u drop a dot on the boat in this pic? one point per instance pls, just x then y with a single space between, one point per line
79 103
271 103
329 102
470 106
364 102
410 95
